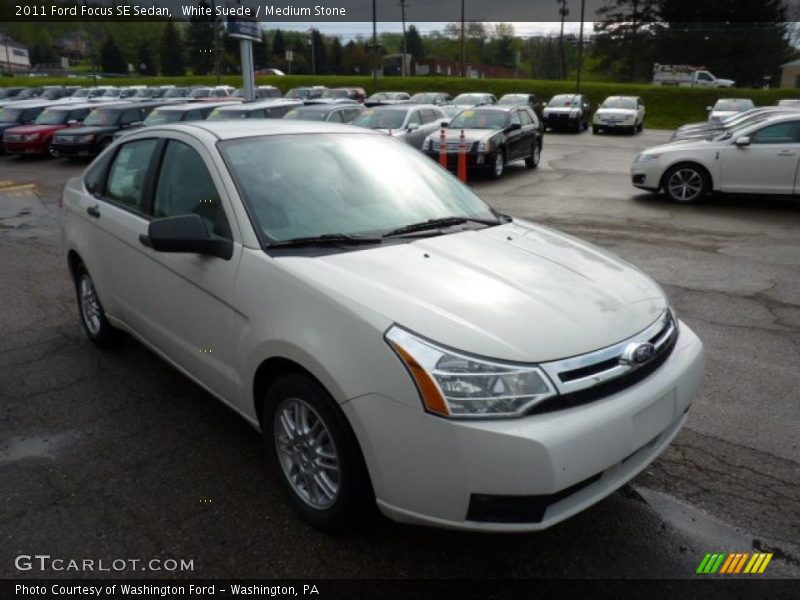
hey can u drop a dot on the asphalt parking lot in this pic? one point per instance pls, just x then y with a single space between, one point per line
116 455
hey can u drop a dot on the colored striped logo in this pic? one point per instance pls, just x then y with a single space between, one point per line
735 563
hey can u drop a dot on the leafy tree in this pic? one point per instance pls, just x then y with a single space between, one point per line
279 45
624 36
145 64
111 58
171 51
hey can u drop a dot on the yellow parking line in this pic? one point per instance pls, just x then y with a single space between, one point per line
5 182
17 188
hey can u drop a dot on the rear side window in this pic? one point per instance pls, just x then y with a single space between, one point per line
515 118
185 187
127 176
193 115
335 116
525 117
277 112
79 115
131 116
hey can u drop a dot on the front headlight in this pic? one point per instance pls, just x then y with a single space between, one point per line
573 113
30 138
643 158
484 147
456 385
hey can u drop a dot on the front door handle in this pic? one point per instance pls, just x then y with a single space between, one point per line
94 211
786 153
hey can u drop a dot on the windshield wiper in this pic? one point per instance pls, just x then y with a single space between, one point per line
431 224
329 239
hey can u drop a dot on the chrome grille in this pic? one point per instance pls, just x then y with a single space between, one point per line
451 146
587 371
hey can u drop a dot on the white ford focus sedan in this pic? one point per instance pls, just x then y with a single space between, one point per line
396 340
757 157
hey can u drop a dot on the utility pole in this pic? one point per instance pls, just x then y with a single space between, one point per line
563 11
580 46
374 48
463 42
217 63
405 44
313 52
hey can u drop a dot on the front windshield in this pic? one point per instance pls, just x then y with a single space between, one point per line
29 93
175 93
81 94
159 117
144 93
96 93
298 94
111 94
733 105
468 99
364 185
10 115
334 94
564 102
51 116
513 99
200 93
381 119
480 119
102 117
424 98
627 103
307 115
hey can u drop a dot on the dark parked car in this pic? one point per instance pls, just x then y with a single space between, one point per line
20 113
332 113
265 109
435 98
494 136
174 113
37 138
567 111
99 127
10 92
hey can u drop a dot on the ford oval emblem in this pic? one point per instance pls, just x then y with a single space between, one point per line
638 353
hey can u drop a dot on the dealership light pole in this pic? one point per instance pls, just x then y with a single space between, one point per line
463 41
405 44
580 47
563 11
374 48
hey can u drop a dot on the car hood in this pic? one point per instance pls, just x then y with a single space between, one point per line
4 126
89 129
30 129
515 292
615 112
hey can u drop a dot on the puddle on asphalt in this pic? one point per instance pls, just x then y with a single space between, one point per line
35 446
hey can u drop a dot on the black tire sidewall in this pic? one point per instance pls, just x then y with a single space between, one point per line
679 167
354 489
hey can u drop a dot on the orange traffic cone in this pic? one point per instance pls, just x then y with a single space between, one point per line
443 148
462 158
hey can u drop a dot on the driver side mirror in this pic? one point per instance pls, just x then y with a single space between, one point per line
413 126
513 127
72 122
445 124
743 141
185 234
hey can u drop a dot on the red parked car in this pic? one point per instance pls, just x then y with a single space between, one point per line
37 138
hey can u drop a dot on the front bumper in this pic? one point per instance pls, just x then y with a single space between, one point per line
554 121
475 160
522 474
605 124
647 176
75 149
24 147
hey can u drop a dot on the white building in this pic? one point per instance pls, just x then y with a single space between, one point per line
13 56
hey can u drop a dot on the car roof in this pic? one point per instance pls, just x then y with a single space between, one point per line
497 108
73 105
186 107
328 107
32 104
229 130
780 118
269 103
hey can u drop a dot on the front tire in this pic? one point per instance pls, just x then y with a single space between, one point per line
686 183
314 453
93 316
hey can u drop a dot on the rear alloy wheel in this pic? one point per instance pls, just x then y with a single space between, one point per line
93 317
315 453
536 155
685 184
499 166
51 149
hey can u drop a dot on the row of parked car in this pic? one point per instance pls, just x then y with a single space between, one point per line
755 151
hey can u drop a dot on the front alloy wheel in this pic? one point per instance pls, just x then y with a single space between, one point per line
93 317
685 184
499 166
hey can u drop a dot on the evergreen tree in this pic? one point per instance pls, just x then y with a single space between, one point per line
200 41
111 58
171 51
279 45
337 56
145 64
266 50
624 38
414 43
320 53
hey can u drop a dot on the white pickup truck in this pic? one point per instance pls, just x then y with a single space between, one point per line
687 76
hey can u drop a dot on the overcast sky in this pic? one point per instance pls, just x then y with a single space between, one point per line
350 30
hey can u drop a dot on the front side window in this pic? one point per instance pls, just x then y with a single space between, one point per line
480 119
381 119
363 184
779 133
185 187
102 117
130 116
128 173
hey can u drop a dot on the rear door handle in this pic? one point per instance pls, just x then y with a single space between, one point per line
94 211
786 153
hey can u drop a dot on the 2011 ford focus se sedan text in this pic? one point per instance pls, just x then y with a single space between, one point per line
396 340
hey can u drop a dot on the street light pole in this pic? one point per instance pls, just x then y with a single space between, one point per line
374 48
313 53
463 42
580 46
405 43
